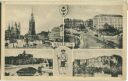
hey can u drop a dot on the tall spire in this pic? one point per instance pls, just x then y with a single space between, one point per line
32 15
15 24
15 27
32 24
12 25
19 25
9 27
24 52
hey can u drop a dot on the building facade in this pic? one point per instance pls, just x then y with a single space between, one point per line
76 24
31 35
115 21
55 34
110 65
43 35
21 59
13 31
25 59
88 23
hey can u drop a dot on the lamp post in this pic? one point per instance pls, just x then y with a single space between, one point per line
63 11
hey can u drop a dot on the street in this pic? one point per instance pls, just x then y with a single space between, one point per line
89 40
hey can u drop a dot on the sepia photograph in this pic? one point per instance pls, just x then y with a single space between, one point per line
63 25
28 63
63 41
63 61
97 64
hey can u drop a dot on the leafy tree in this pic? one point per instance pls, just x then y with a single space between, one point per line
109 30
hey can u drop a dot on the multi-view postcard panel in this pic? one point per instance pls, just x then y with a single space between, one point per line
98 64
66 40
32 27
63 62
28 63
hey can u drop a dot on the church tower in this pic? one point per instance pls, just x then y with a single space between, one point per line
32 25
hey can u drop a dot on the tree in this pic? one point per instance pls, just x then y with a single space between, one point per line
109 30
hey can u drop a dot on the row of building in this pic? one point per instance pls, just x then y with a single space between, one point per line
13 31
56 34
101 61
25 59
98 22
115 21
103 65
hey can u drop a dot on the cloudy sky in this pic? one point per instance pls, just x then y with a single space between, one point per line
48 16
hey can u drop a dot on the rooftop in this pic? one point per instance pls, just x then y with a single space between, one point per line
112 15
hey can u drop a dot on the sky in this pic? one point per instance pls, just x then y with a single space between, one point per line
48 53
85 54
48 16
37 53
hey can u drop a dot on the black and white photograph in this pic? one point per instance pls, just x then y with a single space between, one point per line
63 61
51 26
98 64
28 63
58 41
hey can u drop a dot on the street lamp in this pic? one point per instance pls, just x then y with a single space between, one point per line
63 11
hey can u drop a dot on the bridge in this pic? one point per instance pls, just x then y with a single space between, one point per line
13 69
